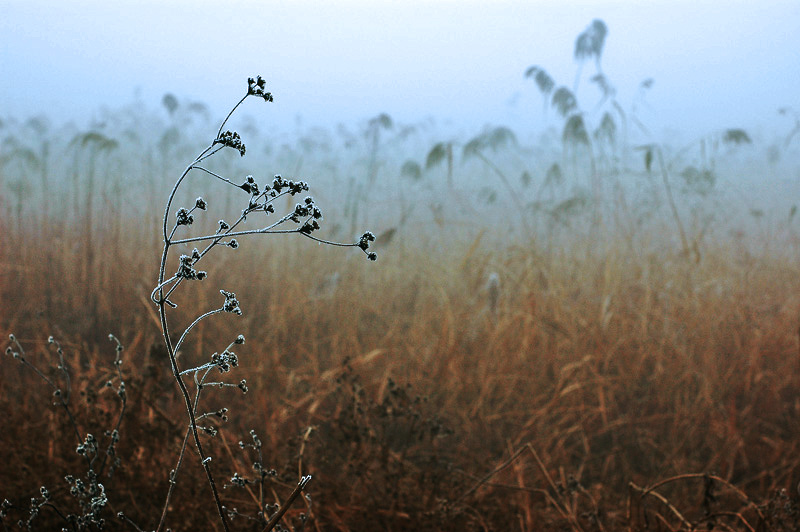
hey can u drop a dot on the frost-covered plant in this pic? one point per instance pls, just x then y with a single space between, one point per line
261 200
84 511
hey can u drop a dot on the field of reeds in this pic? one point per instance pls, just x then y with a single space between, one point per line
574 332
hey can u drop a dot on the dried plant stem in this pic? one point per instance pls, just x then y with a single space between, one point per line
171 350
287 503
305 215
172 476
188 403
259 500
689 476
568 516
492 473
643 491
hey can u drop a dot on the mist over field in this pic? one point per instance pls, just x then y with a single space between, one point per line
447 69
713 66
445 266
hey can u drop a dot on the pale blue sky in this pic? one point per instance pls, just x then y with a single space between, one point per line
715 64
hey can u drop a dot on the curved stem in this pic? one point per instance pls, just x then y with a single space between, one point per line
189 408
169 292
195 322
159 287
174 364
169 205
322 241
229 114
238 233
221 178
173 474
208 152
171 350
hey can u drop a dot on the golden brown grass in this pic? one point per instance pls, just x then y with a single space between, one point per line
602 376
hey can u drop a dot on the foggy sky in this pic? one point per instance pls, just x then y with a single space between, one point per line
715 64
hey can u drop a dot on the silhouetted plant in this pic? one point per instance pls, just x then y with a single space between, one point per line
564 101
441 151
697 181
588 45
575 132
736 137
170 103
543 80
493 140
412 170
20 187
607 130
359 193
303 220
377 124
602 145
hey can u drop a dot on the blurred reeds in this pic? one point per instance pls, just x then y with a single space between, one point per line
601 362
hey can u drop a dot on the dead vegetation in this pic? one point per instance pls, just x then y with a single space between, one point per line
605 392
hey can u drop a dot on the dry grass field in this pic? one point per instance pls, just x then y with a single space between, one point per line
608 390
613 359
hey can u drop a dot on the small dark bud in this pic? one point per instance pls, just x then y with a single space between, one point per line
365 239
231 139
184 218
231 303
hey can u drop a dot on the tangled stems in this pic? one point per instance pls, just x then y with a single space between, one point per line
87 490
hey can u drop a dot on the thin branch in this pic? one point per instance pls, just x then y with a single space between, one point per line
195 322
492 473
287 503
665 502
222 125
172 475
225 179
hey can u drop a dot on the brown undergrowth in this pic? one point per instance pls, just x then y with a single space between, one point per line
605 391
